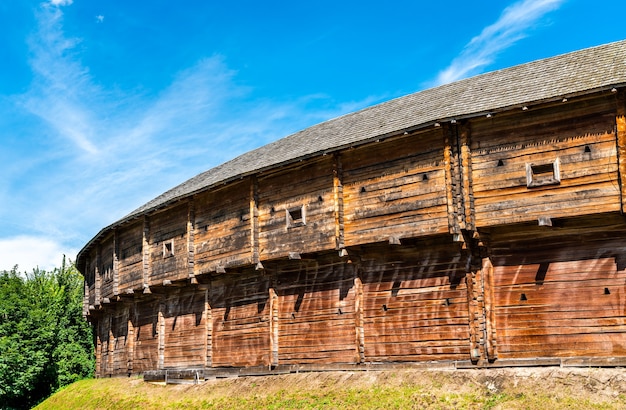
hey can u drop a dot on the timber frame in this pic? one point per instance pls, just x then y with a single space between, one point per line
479 223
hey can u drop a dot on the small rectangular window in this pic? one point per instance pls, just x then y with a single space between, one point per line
295 217
168 248
543 174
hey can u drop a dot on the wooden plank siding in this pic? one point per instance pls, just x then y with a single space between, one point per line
415 302
240 312
146 338
130 258
185 329
394 189
296 209
168 246
105 269
563 295
222 228
316 311
581 137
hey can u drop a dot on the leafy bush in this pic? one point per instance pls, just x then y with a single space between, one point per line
45 343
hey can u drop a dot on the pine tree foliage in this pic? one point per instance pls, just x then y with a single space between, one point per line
45 343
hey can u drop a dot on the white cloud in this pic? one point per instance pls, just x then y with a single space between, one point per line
99 18
30 252
506 31
61 84
61 2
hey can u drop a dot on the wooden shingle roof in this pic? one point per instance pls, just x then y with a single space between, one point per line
577 73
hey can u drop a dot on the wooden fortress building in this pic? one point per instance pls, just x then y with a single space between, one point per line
479 223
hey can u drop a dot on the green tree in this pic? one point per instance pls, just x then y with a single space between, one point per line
45 343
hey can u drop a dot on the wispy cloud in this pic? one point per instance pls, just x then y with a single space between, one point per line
61 84
109 151
511 27
61 2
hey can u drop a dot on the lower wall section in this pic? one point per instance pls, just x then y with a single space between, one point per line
562 298
513 298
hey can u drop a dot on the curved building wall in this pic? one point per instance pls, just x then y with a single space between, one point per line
486 240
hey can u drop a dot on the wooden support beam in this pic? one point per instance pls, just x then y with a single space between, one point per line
191 230
161 336
116 264
208 340
466 176
145 252
254 221
98 279
358 321
130 341
620 127
544 221
490 314
338 201
274 336
453 226
294 255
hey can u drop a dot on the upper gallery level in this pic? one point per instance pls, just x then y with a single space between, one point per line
535 142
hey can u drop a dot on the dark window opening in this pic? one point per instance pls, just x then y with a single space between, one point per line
543 174
296 217
168 248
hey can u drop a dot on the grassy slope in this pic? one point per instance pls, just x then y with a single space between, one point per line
538 388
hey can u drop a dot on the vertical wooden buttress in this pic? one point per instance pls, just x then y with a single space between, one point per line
338 201
98 279
491 351
191 228
116 268
274 336
466 177
208 340
145 252
254 220
449 168
620 127
130 340
161 336
358 318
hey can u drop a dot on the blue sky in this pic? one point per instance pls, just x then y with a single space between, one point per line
106 104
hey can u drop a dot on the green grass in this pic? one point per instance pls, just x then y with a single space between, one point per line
360 390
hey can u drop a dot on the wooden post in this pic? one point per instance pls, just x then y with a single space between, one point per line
116 268
98 279
145 253
448 139
338 201
490 314
85 297
474 316
161 336
208 340
130 341
620 127
358 318
466 177
254 220
98 349
273 297
191 225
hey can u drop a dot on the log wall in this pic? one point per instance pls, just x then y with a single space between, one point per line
563 297
475 242
222 235
394 189
295 211
581 139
